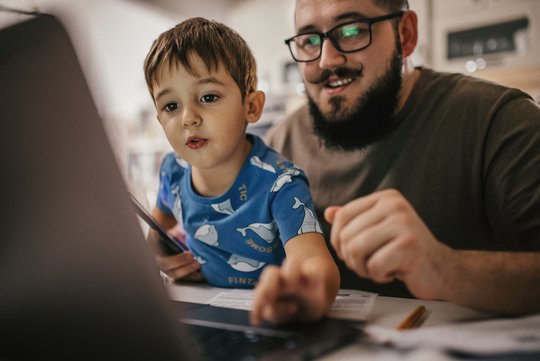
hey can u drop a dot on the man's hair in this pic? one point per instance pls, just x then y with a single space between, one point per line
215 43
392 5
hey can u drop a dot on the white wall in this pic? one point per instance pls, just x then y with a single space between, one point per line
264 25
111 39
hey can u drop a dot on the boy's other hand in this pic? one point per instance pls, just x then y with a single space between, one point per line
182 266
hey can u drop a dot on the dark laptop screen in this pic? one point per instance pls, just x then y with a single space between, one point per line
77 280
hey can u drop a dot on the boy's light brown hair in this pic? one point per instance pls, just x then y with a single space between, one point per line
215 43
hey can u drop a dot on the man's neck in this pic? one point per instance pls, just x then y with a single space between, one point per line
410 77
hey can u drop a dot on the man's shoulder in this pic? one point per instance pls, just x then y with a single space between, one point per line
460 95
466 86
297 122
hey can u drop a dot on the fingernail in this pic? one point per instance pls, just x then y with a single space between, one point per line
168 280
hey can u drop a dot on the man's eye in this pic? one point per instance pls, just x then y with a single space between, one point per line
312 40
352 30
170 107
209 98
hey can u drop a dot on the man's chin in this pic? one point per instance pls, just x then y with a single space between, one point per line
332 107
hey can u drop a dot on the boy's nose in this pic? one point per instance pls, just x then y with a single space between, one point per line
190 118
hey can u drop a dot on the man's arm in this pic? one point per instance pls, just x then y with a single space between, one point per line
497 282
381 237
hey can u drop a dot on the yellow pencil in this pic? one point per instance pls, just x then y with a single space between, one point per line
413 320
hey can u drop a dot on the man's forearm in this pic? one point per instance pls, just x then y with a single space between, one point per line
495 282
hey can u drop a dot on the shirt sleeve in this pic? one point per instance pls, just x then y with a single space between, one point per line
512 176
292 206
164 191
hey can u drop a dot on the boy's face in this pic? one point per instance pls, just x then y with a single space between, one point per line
204 117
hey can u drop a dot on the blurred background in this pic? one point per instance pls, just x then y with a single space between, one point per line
498 40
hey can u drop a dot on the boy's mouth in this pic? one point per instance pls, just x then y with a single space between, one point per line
195 142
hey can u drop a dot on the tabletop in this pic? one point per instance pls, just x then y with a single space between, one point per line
388 312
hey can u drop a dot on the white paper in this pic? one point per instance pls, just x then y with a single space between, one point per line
350 304
483 337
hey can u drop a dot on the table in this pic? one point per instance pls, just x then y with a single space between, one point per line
387 312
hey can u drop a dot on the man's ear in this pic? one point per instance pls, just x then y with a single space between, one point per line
408 32
254 105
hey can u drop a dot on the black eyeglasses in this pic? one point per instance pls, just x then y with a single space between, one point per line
347 38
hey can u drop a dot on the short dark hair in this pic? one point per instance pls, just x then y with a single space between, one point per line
215 43
392 5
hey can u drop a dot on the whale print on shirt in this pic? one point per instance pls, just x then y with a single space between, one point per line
243 264
283 179
309 223
257 162
267 231
177 206
182 163
207 234
199 259
224 207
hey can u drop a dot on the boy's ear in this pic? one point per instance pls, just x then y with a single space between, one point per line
254 105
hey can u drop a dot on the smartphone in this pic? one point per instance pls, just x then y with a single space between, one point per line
169 245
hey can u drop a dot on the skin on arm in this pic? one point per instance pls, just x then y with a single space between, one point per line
303 288
382 238
182 266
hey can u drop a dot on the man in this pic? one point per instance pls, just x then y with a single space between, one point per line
431 181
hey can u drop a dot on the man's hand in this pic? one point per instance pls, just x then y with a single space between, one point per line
381 237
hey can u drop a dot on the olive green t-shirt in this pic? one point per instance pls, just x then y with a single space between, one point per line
466 155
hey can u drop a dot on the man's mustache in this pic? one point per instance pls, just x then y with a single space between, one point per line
340 72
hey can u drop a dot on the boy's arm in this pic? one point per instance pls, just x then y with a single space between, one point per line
303 288
180 266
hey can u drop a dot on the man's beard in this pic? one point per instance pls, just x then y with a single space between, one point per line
369 120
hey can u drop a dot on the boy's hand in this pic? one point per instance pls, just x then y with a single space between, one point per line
285 294
182 266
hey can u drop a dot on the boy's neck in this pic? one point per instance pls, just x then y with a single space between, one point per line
216 181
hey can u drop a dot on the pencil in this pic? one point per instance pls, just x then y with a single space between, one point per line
414 319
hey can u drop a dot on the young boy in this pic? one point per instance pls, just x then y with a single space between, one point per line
242 206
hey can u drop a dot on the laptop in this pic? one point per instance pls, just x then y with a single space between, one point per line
77 279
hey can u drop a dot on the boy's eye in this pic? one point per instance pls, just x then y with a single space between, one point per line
209 98
169 107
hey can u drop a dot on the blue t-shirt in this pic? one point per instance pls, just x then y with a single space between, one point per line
235 235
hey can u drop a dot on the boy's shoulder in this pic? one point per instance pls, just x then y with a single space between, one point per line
266 158
171 159
173 166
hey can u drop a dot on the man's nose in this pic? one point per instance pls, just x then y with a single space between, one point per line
330 56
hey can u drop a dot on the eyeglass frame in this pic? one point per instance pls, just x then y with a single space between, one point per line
328 34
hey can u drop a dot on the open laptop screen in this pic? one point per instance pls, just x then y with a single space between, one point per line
77 280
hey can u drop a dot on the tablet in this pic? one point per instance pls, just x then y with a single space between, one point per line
169 245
